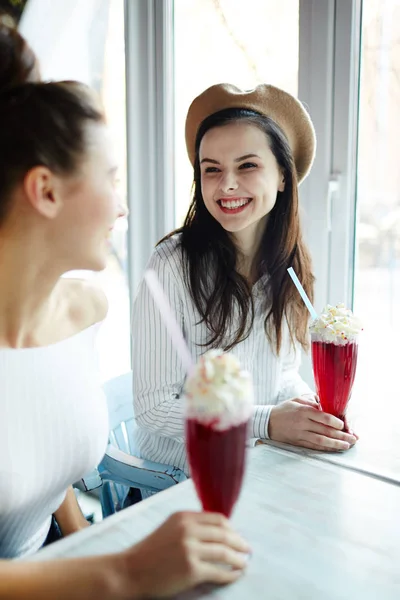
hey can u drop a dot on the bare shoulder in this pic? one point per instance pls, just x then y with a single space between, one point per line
84 302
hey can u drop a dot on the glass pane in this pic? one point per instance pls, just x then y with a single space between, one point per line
377 273
243 43
85 41
114 337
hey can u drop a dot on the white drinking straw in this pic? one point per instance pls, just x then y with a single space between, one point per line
302 293
169 319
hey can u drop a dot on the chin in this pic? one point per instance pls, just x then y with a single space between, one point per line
93 264
234 228
99 265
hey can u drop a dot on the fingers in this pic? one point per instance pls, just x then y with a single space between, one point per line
330 432
307 401
326 419
321 447
209 527
218 575
188 518
210 518
222 536
348 429
316 441
221 554
215 553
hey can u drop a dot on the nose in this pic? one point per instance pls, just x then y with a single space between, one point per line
229 182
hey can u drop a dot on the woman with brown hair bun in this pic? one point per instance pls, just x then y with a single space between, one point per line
18 63
225 273
58 205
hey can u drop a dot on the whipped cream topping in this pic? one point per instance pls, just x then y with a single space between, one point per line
337 325
218 392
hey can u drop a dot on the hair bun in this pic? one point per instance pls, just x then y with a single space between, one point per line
18 63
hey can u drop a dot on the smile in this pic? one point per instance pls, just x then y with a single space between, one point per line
233 205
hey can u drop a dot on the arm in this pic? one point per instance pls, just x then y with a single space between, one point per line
187 550
99 578
69 515
291 386
158 372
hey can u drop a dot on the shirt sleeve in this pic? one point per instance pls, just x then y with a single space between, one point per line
260 423
158 372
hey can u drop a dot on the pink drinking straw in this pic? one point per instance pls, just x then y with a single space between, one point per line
168 317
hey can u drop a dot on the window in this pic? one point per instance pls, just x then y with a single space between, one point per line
85 41
219 41
377 268
114 336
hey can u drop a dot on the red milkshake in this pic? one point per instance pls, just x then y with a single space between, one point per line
334 350
219 405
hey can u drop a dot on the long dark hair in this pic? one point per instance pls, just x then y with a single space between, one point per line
218 290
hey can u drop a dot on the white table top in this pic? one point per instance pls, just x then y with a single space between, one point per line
317 531
377 452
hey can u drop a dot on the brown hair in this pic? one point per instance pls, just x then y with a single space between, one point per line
40 123
43 124
210 256
18 63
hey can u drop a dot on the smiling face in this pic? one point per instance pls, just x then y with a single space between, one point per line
90 205
240 177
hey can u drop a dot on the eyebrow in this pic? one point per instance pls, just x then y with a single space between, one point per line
239 159
246 156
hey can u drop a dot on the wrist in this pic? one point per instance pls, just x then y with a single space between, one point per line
126 570
270 424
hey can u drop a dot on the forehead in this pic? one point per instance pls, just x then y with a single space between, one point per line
100 145
235 138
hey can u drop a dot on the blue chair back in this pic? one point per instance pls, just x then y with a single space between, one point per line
119 393
120 468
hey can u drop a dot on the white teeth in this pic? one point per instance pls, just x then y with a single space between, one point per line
234 203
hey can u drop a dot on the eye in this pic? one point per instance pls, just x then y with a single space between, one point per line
248 165
211 170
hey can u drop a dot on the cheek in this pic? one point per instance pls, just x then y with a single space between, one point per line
207 190
104 206
267 188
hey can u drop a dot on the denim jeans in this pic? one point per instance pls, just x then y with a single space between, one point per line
54 533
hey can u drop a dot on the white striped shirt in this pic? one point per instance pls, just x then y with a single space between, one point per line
158 374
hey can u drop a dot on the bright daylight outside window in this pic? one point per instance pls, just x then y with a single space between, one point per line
228 41
114 337
377 272
85 41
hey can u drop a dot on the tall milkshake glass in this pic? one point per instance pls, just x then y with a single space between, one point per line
219 400
334 350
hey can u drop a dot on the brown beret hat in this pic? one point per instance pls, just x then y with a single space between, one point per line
280 106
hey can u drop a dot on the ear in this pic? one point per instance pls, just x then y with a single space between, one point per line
281 186
42 190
